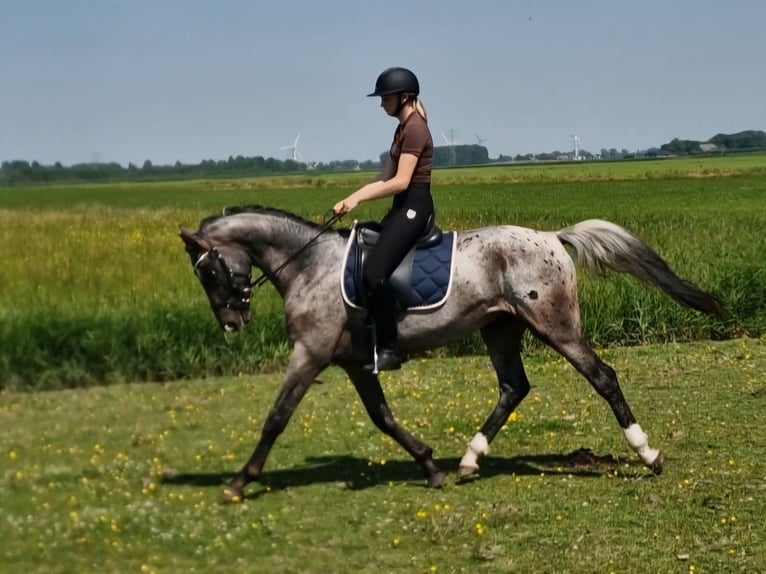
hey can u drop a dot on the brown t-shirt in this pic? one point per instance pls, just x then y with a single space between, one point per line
414 137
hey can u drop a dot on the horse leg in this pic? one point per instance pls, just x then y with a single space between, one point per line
503 340
604 379
368 387
302 370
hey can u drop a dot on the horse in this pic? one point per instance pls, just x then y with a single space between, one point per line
505 280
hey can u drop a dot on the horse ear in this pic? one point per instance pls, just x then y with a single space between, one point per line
192 239
187 235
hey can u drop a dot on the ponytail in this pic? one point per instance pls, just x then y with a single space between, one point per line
421 109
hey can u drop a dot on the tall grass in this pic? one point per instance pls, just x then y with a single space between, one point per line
96 286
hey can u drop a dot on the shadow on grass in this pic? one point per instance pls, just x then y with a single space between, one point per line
353 473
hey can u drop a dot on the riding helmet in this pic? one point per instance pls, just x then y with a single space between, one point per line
394 81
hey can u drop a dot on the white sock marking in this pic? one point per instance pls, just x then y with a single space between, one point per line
639 442
476 447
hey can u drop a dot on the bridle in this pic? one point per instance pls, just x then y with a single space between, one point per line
243 294
241 290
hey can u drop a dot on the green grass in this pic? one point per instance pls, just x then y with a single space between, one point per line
126 478
97 287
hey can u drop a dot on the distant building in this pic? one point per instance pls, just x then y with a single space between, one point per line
656 152
708 147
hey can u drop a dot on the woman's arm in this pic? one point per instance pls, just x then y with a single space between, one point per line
388 171
382 188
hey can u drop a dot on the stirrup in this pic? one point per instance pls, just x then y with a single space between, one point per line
384 360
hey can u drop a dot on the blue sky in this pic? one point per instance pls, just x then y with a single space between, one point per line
186 80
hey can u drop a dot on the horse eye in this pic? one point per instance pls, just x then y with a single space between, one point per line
207 275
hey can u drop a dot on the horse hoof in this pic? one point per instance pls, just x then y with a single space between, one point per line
656 466
436 480
464 471
232 495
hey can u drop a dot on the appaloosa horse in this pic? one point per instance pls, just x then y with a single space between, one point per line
504 280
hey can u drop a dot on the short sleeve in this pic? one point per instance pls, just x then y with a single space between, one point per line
415 136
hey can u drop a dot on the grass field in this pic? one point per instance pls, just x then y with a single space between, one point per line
126 478
97 287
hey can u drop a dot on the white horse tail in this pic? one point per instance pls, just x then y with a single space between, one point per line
601 245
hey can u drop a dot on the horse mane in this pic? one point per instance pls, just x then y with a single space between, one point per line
237 209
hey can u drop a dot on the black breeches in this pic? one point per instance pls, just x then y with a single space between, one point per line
402 227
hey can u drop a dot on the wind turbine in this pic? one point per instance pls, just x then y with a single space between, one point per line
295 155
480 139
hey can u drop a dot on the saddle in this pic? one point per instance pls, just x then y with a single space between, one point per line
420 281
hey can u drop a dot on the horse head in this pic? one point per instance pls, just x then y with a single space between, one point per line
224 272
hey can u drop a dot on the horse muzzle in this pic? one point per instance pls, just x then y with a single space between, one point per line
234 322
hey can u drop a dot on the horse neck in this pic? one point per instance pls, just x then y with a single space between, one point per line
271 240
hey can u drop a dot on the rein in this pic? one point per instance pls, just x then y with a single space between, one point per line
262 279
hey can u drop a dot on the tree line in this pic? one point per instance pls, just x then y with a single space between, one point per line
20 172
748 140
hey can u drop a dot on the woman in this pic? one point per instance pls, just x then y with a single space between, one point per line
406 177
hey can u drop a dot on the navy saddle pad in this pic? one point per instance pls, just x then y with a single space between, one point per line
422 280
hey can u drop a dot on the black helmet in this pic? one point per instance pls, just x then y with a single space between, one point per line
394 81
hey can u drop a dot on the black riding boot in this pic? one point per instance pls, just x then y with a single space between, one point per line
384 310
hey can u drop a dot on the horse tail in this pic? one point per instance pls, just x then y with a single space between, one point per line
602 245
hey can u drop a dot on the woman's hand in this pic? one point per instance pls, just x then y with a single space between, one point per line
346 205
